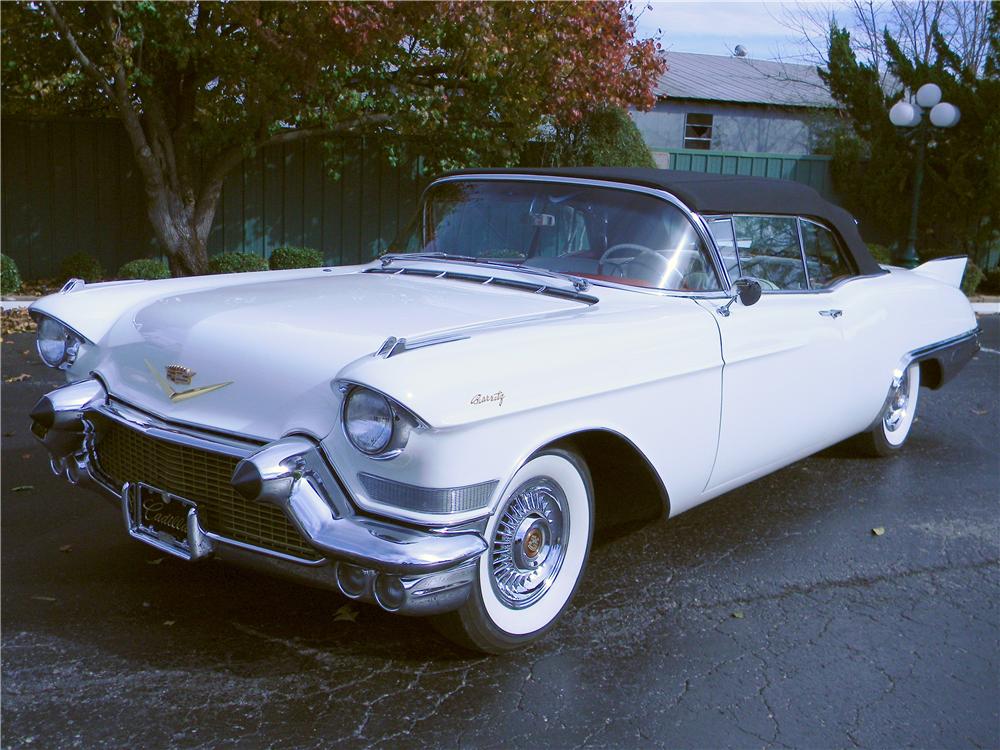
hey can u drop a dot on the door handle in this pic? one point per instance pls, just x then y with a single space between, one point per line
831 313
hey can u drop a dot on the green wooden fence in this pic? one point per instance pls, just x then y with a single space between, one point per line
71 186
811 170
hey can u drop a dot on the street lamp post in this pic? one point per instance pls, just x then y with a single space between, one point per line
906 114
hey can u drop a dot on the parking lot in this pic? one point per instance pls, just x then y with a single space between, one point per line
770 617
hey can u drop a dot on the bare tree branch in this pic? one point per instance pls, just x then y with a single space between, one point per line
81 57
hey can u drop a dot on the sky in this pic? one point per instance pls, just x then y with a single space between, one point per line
715 27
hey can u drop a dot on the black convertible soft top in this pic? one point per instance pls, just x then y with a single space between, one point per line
725 194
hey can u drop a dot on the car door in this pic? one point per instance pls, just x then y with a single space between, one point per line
784 357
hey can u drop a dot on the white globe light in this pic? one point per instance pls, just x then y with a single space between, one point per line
928 95
904 115
945 115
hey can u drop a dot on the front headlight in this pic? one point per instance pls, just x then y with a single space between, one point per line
375 424
368 420
57 345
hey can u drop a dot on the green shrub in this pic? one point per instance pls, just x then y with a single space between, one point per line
236 263
81 266
295 257
880 253
973 277
606 137
144 268
991 284
10 278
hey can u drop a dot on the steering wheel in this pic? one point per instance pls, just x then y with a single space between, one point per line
612 263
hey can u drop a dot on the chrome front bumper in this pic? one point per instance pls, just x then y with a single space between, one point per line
403 569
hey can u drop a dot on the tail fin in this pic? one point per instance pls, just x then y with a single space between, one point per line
946 270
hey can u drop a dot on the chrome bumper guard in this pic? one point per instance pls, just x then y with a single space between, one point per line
402 569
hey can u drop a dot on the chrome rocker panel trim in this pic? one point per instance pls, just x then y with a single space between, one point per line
433 570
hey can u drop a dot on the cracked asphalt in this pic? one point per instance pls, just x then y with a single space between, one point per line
769 617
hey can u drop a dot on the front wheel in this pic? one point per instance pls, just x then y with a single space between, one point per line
890 430
539 539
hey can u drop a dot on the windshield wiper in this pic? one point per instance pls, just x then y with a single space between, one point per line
580 284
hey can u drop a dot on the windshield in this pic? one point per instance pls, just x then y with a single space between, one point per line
599 233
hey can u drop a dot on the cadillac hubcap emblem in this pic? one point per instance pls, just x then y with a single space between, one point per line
180 374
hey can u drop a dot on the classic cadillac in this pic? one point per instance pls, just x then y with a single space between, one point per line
437 431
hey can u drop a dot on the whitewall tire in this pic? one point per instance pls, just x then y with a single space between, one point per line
539 540
892 427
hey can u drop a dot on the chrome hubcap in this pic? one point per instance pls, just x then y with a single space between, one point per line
528 544
899 399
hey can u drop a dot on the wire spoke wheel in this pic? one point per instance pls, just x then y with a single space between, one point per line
527 548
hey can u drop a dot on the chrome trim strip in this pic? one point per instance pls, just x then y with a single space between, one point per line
802 251
180 425
572 295
393 346
162 430
927 351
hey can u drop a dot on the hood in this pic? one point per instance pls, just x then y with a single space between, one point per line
278 344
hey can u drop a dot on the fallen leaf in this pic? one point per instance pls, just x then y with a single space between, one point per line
157 561
878 530
25 455
66 548
17 378
44 598
168 623
737 615
8 434
26 352
23 488
146 605
347 613
980 412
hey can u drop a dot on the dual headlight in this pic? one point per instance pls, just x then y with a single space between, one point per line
57 344
376 425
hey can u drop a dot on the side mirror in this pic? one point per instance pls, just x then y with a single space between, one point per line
747 291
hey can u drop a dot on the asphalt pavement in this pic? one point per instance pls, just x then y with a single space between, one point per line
770 617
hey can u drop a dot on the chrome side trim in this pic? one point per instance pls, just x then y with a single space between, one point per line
927 352
393 346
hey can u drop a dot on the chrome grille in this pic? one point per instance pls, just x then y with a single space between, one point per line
127 455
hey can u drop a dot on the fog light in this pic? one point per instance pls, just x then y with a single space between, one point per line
351 580
389 592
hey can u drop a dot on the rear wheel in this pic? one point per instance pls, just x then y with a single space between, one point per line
890 431
539 541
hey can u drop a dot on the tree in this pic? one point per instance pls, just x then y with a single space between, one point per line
199 86
873 161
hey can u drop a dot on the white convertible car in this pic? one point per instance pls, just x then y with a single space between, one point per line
436 431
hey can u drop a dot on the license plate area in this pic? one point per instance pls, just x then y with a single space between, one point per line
165 521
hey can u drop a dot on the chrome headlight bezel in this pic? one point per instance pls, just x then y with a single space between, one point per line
52 331
402 422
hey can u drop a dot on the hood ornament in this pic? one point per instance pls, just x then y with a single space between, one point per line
182 376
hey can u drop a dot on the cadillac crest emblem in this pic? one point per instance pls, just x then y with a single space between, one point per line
180 374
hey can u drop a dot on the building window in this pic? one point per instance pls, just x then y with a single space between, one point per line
698 131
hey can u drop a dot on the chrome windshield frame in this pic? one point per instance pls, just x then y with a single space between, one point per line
701 228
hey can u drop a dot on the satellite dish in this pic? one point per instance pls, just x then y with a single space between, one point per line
740 51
